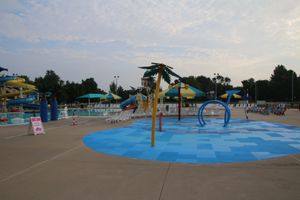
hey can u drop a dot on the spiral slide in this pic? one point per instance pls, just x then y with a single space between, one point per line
14 94
20 83
14 81
20 101
7 78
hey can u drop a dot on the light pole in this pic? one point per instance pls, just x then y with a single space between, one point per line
292 86
216 87
116 77
256 91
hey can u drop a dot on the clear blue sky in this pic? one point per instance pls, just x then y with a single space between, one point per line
79 39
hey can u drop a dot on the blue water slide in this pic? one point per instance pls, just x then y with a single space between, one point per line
31 106
7 78
129 101
19 101
227 114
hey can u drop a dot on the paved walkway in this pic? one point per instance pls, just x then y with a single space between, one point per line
58 166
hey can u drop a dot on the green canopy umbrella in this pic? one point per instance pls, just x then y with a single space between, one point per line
181 90
185 91
229 94
91 96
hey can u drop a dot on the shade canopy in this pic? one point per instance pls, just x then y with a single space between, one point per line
112 96
231 93
236 96
92 96
186 91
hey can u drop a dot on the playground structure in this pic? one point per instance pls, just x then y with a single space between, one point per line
15 95
139 103
14 92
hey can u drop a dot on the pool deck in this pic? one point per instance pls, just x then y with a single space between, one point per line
58 166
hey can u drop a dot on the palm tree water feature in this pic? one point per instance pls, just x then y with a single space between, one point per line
162 71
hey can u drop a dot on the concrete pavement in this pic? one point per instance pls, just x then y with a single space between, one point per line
58 166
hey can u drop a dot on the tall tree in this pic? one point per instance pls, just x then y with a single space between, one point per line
263 90
70 92
121 92
113 87
281 84
249 88
51 82
208 85
89 86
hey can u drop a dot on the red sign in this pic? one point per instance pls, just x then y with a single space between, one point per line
37 125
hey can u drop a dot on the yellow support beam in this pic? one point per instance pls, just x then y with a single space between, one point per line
155 104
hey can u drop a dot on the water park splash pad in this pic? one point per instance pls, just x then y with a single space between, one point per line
186 141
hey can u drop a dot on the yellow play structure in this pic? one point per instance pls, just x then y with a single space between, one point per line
13 92
9 88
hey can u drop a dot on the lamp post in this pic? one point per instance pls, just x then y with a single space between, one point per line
116 78
216 86
256 91
292 86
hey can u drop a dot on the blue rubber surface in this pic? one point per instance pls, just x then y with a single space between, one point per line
186 141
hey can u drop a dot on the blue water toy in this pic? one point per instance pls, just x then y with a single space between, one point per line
44 110
227 114
54 110
19 101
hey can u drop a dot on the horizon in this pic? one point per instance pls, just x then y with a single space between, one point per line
101 39
163 84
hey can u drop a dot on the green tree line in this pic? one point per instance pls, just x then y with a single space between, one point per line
277 88
283 85
65 92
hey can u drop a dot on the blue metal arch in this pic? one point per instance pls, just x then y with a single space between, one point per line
227 114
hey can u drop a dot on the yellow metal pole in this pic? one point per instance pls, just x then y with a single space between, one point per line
155 104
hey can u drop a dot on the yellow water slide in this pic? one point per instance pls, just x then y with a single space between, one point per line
15 94
18 83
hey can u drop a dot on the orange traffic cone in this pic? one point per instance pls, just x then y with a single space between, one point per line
74 121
